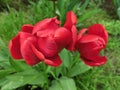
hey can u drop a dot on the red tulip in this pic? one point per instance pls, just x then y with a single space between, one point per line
70 24
89 44
44 41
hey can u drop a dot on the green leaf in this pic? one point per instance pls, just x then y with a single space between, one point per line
58 71
87 15
78 68
118 12
118 3
84 5
2 81
2 43
19 65
63 83
72 4
65 55
4 55
115 3
60 11
6 72
22 78
3 50
60 5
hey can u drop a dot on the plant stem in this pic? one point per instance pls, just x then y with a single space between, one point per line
54 3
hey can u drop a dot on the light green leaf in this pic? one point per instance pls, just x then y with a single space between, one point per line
62 9
22 78
2 81
63 83
65 55
19 65
78 68
2 43
3 50
87 15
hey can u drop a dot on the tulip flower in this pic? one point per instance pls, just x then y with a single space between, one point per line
90 42
43 41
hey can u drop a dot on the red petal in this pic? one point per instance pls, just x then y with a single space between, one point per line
96 62
45 33
71 46
63 37
98 29
91 38
70 20
24 36
27 52
49 24
37 53
54 61
81 33
91 54
14 47
27 28
90 43
48 46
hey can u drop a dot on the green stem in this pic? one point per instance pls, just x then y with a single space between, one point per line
54 3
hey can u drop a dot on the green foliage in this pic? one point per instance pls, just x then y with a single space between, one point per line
22 78
66 55
16 4
78 69
12 21
63 83
14 74
3 50
72 64
117 7
19 65
87 15
41 10
112 26
63 7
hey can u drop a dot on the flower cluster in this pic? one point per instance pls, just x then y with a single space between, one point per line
44 41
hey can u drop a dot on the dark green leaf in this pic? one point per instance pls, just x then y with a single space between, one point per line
5 72
118 12
72 4
84 5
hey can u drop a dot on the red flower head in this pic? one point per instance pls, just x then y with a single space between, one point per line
90 43
44 41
